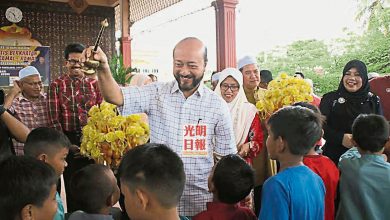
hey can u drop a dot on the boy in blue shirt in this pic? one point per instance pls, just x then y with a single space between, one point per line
295 192
365 174
52 147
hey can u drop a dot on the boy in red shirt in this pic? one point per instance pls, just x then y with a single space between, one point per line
231 180
325 168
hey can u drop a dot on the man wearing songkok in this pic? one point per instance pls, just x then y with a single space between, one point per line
251 75
30 107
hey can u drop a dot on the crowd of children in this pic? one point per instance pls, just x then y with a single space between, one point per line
152 177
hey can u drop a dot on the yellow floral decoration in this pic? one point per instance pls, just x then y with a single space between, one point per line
282 91
107 135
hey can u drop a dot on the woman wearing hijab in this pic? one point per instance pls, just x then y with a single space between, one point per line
341 107
246 123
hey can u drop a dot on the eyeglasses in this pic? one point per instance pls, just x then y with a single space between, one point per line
233 88
73 62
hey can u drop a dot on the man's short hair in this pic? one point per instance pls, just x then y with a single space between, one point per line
299 126
45 141
24 180
233 179
265 76
155 168
370 132
90 187
73 48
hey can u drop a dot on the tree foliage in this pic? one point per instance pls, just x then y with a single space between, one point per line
323 63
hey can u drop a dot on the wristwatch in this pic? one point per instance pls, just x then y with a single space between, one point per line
2 109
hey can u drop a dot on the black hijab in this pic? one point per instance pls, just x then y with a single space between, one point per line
362 94
361 101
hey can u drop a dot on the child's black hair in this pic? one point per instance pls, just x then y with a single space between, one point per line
370 132
156 168
299 126
91 187
233 179
45 141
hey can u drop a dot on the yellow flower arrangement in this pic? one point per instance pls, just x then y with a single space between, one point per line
282 91
107 135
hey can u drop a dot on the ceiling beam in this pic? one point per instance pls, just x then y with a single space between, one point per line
105 3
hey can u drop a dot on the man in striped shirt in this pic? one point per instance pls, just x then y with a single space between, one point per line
30 107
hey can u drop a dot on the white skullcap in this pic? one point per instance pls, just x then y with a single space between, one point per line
215 77
372 75
246 61
28 71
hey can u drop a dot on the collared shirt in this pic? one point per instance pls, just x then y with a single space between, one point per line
70 100
32 113
169 114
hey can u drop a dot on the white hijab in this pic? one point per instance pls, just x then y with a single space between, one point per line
241 111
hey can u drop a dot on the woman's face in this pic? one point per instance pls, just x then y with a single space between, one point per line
229 89
352 80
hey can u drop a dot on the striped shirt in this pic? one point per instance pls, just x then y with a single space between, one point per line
33 114
171 116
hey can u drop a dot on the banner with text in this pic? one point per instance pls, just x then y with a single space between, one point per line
14 58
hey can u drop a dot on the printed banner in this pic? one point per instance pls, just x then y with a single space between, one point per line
14 58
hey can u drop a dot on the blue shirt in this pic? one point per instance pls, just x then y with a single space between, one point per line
296 193
364 187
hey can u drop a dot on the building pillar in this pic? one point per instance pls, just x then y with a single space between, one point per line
125 38
225 18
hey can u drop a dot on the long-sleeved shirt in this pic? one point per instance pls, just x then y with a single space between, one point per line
340 114
69 101
195 128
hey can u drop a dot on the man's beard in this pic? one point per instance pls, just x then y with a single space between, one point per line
195 81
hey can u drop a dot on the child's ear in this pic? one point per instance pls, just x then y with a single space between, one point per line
282 144
42 157
110 200
26 213
143 198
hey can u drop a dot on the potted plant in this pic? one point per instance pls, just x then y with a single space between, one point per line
119 71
